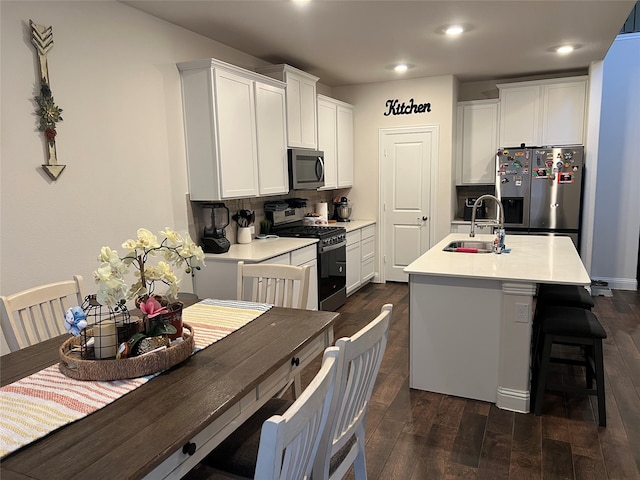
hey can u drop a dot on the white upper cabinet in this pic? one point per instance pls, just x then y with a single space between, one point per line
301 104
234 131
272 139
335 139
563 113
477 142
543 113
345 145
327 140
519 115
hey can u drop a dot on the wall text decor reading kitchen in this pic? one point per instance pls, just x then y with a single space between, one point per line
397 108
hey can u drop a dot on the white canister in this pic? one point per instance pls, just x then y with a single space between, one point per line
244 235
322 209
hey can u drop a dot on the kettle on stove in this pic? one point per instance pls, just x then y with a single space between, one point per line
341 209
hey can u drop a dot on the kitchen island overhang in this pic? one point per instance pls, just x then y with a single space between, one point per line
471 315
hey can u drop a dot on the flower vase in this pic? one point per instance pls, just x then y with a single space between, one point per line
173 317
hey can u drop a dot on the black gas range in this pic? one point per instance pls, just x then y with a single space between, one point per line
328 235
331 254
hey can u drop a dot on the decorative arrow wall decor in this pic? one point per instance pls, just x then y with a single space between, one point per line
48 112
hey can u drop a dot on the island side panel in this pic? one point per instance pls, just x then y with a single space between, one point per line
515 351
455 335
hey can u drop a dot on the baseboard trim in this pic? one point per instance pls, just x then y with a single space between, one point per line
513 400
619 283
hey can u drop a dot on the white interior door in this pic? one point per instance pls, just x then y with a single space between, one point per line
408 159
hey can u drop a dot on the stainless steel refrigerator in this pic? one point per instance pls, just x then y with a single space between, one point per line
541 190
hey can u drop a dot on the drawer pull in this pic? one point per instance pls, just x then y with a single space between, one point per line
189 448
295 361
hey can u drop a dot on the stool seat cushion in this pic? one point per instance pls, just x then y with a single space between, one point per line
565 295
571 321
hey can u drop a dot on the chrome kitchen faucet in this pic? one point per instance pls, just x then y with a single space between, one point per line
472 233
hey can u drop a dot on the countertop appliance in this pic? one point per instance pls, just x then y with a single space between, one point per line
216 218
331 253
341 209
481 211
306 169
541 189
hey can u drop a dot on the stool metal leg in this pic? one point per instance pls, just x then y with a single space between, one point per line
599 363
545 360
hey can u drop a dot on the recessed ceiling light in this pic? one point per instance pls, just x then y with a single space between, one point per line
564 49
454 30
400 67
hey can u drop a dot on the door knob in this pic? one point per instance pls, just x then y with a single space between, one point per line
425 218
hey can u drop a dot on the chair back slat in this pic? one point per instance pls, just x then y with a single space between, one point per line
37 314
276 284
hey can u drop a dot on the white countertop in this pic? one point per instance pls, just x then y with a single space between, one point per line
533 258
355 224
261 250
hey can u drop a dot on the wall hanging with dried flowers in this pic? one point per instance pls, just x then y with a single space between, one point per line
48 112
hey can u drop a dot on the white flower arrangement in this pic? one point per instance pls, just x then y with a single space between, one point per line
176 251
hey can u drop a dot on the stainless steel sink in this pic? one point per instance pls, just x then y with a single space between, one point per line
474 246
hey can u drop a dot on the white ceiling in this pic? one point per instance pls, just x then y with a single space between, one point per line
347 42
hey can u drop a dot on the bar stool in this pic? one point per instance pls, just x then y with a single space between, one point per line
565 295
576 327
558 295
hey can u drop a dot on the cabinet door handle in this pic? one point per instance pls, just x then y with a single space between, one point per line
295 361
189 448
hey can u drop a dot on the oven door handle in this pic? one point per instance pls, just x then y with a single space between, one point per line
336 246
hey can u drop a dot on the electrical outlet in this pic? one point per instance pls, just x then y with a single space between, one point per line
522 312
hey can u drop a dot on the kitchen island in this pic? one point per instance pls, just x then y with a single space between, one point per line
471 315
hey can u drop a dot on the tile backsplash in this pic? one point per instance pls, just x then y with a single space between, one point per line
196 225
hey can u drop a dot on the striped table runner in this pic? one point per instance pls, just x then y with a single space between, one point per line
38 404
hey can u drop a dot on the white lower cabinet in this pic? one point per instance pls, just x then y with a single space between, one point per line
308 256
361 249
368 253
354 261
219 278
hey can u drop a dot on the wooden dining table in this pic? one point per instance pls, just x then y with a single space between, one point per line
166 426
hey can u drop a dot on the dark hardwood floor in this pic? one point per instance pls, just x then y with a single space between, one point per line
418 435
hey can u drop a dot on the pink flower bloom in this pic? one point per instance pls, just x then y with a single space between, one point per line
152 308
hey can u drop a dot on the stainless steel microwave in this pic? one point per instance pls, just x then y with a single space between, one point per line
306 169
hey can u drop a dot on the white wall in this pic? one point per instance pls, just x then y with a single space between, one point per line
369 118
617 218
112 70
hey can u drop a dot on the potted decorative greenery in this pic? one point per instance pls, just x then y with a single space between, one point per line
174 251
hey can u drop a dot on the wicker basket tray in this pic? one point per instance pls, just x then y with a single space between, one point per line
118 369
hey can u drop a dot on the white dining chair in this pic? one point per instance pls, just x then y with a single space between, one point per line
37 314
284 446
4 346
343 441
279 285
